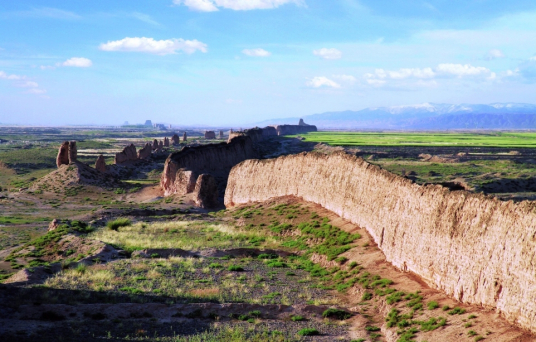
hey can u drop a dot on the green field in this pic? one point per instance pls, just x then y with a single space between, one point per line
492 139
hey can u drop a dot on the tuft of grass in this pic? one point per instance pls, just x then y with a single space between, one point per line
366 296
336 314
433 305
235 268
117 223
308 332
274 263
457 311
297 318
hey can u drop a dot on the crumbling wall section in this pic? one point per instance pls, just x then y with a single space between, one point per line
474 247
214 159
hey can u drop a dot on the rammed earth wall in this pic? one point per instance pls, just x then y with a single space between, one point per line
215 159
474 247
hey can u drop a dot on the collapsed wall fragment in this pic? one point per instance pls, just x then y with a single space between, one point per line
67 153
100 164
183 168
128 154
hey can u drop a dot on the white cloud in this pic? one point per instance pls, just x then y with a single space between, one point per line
408 78
461 70
145 18
444 70
328 53
533 58
28 84
512 73
345 78
376 82
21 81
5 76
36 91
79 62
495 54
402 73
256 52
159 47
46 12
321 81
198 5
237 5
233 101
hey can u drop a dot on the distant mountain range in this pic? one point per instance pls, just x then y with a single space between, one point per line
427 116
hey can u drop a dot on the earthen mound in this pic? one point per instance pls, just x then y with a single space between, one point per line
86 251
437 159
74 174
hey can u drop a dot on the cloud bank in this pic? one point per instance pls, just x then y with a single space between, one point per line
328 53
236 5
158 47
21 81
256 52
322 82
445 70
79 62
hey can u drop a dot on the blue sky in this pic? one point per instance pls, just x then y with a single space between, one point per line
232 62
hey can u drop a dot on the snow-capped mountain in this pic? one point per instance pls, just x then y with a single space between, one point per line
428 116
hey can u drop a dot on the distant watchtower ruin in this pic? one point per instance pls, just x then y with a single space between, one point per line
210 135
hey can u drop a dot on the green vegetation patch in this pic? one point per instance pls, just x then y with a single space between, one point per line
492 139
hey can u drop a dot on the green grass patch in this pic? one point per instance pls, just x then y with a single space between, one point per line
117 223
492 139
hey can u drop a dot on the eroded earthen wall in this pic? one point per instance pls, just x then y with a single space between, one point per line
215 159
474 247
